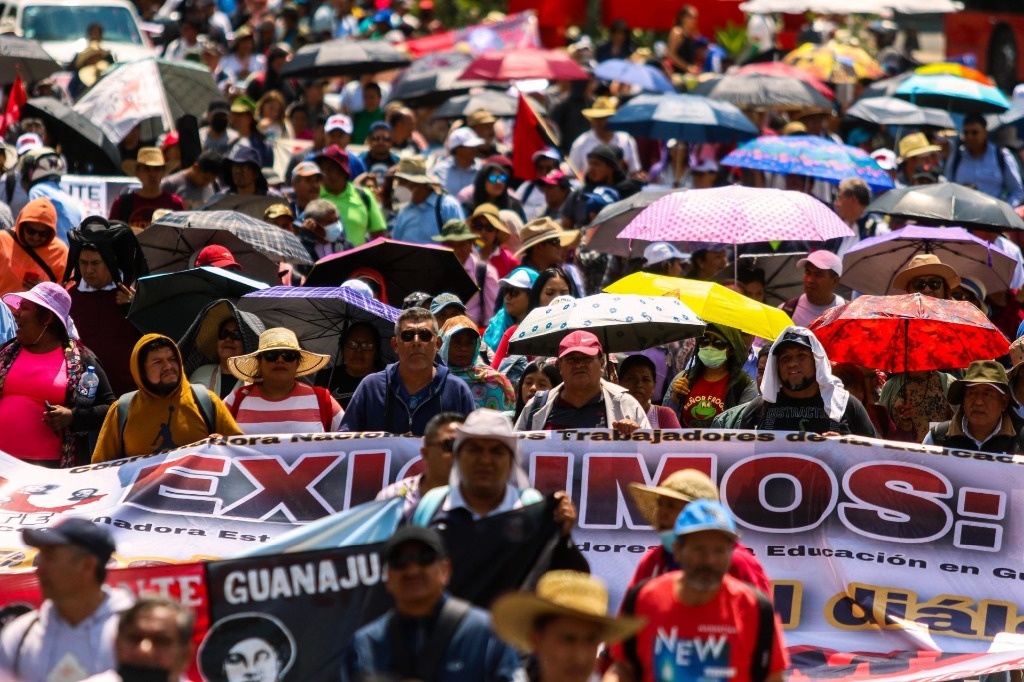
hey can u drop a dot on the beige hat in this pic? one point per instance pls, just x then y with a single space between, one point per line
916 144
603 108
492 214
542 230
480 117
559 593
247 367
987 372
414 169
922 265
794 128
150 156
686 485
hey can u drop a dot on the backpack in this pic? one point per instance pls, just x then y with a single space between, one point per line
116 243
323 400
203 400
957 155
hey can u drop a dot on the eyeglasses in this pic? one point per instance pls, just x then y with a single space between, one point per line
422 556
232 334
424 335
495 178
935 283
33 232
286 355
360 345
447 445
717 344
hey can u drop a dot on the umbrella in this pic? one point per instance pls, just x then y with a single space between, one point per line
710 301
886 87
835 62
811 156
24 57
908 333
498 103
622 323
405 267
198 345
602 232
252 205
86 146
693 118
870 266
954 69
433 79
632 73
319 315
756 91
783 278
953 94
898 112
169 303
948 203
785 70
344 57
523 64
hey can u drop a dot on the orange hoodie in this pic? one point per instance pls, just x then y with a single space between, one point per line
18 270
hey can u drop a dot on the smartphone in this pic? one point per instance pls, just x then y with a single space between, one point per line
49 407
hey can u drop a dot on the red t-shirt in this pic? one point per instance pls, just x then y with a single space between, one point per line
138 211
745 567
705 402
713 641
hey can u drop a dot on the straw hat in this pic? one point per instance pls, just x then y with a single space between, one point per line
916 144
542 230
492 214
414 169
247 367
604 107
686 485
922 265
559 593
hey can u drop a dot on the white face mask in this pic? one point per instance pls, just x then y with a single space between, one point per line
333 231
401 194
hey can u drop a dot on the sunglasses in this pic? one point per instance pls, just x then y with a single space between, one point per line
226 334
483 225
963 296
447 445
421 556
512 292
717 344
424 335
934 284
360 345
33 232
286 355
497 178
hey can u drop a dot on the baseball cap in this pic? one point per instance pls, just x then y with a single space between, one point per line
555 177
579 342
306 169
339 122
337 155
425 536
83 533
217 256
885 158
518 278
463 137
826 260
659 252
546 153
27 142
701 515
791 337
380 125
442 301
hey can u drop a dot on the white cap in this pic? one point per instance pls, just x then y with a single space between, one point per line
464 137
659 252
885 158
339 122
826 260
358 286
27 142
518 279
490 424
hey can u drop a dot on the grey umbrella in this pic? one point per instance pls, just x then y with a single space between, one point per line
947 203
898 112
344 57
755 90
25 57
498 103
433 79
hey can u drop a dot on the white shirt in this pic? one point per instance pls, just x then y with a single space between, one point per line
455 500
586 142
806 312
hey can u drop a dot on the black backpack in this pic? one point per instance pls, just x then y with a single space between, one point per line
116 243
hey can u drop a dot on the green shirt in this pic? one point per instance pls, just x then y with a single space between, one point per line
352 211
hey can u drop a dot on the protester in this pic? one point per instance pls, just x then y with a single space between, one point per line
493 234
543 244
637 374
530 193
443 307
457 236
243 173
41 173
136 207
31 252
661 258
459 169
321 231
360 356
219 333
195 184
600 135
491 186
539 375
306 179
378 157
515 291
715 382
983 420
550 284
460 350
358 211
981 164
926 274
74 628
425 208
436 455
217 256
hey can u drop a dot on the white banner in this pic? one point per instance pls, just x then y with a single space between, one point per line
122 99
96 192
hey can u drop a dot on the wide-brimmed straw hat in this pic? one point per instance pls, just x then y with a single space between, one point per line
922 265
247 367
686 485
603 108
545 229
492 214
414 169
559 593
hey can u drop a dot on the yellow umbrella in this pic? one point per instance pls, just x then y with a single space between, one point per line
835 62
710 301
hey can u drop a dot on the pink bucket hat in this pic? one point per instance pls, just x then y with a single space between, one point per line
51 296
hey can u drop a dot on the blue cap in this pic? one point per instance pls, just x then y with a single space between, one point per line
600 197
701 515
442 301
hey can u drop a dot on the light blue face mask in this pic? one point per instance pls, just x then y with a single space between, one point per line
668 538
333 232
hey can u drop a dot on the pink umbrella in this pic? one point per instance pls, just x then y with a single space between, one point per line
522 64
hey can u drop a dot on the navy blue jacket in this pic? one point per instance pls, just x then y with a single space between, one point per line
376 406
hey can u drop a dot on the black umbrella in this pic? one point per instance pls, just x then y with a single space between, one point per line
755 90
433 79
898 112
344 57
497 103
24 56
948 203
86 147
252 205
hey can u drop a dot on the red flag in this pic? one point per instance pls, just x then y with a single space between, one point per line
529 136
15 101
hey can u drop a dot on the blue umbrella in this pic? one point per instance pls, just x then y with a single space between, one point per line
810 156
632 73
693 118
953 94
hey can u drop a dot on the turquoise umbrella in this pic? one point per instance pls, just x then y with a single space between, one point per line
953 94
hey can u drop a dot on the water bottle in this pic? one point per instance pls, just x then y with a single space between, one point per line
85 396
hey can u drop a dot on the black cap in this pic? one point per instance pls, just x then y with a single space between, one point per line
425 536
604 153
83 533
791 337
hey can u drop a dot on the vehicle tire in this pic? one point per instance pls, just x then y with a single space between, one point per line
1002 58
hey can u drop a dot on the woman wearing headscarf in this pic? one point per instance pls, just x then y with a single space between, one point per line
491 186
360 356
220 332
515 290
460 350
40 370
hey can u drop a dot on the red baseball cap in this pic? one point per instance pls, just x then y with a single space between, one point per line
579 342
217 256
337 155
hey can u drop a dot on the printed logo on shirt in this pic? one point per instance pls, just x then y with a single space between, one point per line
704 407
704 657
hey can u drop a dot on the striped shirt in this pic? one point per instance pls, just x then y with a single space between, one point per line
297 412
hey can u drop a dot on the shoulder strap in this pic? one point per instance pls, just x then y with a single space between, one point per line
437 210
540 399
435 649
481 277
21 643
954 162
428 506
762 657
34 256
122 416
365 196
629 645
789 307
240 394
323 401
205 403
9 182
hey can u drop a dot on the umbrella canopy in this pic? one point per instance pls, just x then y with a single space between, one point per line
632 73
898 112
948 203
344 57
524 64
405 267
908 333
602 233
252 205
784 70
498 103
621 322
736 215
319 315
433 79
954 69
953 94
198 346
86 147
752 91
710 301
835 62
783 278
886 87
693 118
870 266
25 57
811 156
169 303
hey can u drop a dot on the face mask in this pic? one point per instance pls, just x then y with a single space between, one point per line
401 194
712 358
668 538
332 232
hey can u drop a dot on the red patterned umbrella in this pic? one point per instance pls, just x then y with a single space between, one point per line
526 63
908 333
